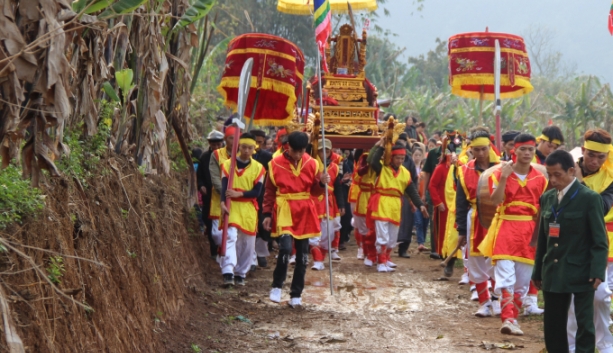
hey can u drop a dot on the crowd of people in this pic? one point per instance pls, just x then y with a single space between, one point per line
550 230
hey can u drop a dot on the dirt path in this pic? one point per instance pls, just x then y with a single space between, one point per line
409 310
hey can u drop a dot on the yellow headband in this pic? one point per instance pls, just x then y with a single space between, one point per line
545 138
247 141
480 141
596 146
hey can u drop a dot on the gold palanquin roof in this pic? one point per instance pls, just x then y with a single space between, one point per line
305 7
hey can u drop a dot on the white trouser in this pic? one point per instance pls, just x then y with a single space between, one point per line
261 247
602 317
352 205
240 248
216 233
512 276
480 269
360 224
387 234
328 232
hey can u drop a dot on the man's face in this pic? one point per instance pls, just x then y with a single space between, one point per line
246 151
261 141
525 154
409 121
270 144
546 147
508 146
397 160
558 178
437 137
592 160
419 128
215 145
320 152
481 154
296 155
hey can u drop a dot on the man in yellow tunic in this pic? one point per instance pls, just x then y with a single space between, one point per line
384 208
246 186
217 159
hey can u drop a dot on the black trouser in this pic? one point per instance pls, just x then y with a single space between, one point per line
302 258
208 223
405 232
432 223
346 227
556 317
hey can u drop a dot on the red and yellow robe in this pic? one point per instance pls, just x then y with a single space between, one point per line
386 201
469 178
599 182
354 189
294 211
320 201
437 186
222 155
244 211
366 186
510 233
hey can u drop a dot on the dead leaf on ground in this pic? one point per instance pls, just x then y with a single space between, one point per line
504 345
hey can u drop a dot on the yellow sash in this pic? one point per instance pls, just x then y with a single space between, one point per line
284 212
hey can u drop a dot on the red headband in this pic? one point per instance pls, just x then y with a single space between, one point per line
400 151
230 130
529 143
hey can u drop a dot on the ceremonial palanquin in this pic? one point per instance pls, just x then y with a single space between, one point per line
349 99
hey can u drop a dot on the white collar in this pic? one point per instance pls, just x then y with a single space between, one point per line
565 190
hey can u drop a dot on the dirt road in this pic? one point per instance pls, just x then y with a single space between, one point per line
410 310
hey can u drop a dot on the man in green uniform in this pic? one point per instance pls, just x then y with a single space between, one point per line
571 254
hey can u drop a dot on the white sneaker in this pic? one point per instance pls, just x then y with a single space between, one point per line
318 266
292 260
511 327
390 269
391 264
295 303
382 268
275 295
360 254
474 296
334 255
464 279
496 307
368 262
485 310
531 306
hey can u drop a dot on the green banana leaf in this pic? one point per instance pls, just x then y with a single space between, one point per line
108 89
124 81
198 10
120 7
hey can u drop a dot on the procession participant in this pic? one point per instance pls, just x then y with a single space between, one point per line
515 189
551 138
432 159
571 254
470 230
262 156
205 186
290 213
366 185
352 198
393 181
508 143
346 219
442 192
336 207
217 159
243 212
281 142
405 232
595 170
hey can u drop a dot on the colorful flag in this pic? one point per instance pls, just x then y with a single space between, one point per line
611 20
323 27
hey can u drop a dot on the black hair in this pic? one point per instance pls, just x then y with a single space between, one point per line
403 136
510 136
196 152
422 124
389 115
247 135
479 133
414 120
553 133
597 135
298 140
563 158
258 133
438 132
524 138
433 140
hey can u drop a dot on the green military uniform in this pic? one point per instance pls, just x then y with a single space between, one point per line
566 263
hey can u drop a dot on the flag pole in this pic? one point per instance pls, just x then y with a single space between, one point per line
323 137
498 103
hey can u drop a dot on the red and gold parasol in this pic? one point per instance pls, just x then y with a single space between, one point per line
471 65
278 69
305 7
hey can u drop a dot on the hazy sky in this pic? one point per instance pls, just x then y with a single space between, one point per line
580 26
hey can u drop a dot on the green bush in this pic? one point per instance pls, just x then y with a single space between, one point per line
17 197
